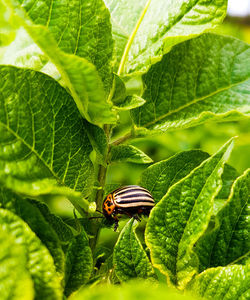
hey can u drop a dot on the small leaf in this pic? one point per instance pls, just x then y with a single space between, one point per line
15 281
159 177
128 153
231 282
38 224
120 90
98 141
39 261
201 79
130 260
79 263
182 216
229 240
130 102
44 141
155 26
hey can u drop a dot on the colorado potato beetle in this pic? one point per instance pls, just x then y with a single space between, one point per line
131 200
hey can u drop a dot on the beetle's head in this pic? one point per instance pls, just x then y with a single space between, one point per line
108 206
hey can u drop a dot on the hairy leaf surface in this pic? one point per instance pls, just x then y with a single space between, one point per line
164 24
129 153
39 262
79 74
130 259
29 213
229 240
43 139
159 177
79 263
201 79
231 282
182 216
15 281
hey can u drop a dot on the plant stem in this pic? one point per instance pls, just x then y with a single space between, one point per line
122 139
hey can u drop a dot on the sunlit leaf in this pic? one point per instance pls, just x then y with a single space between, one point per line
128 153
39 262
15 281
79 263
203 79
231 282
182 216
130 259
155 26
43 139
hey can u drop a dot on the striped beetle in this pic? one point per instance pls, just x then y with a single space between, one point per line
130 200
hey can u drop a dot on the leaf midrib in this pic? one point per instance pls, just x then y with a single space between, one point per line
192 102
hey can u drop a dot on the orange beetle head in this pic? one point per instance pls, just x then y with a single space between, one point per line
108 206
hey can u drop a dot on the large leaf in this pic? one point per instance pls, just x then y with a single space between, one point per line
182 216
201 79
228 241
36 221
79 263
128 153
15 281
63 41
231 282
159 177
39 262
43 139
151 28
130 260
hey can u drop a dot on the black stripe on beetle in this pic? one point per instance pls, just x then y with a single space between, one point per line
130 200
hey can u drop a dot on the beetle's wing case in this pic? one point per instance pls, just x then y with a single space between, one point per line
132 196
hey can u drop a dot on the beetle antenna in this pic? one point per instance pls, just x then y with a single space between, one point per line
99 211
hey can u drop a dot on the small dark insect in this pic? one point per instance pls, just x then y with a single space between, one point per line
131 200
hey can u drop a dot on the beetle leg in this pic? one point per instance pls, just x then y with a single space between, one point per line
116 222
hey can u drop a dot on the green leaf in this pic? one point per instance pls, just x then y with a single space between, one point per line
43 139
159 177
228 177
130 102
79 263
128 153
229 240
38 224
231 282
63 232
130 260
182 216
60 42
207 78
98 140
133 290
39 262
83 29
151 28
15 281
119 90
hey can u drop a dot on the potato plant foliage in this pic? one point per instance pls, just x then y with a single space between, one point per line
68 71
